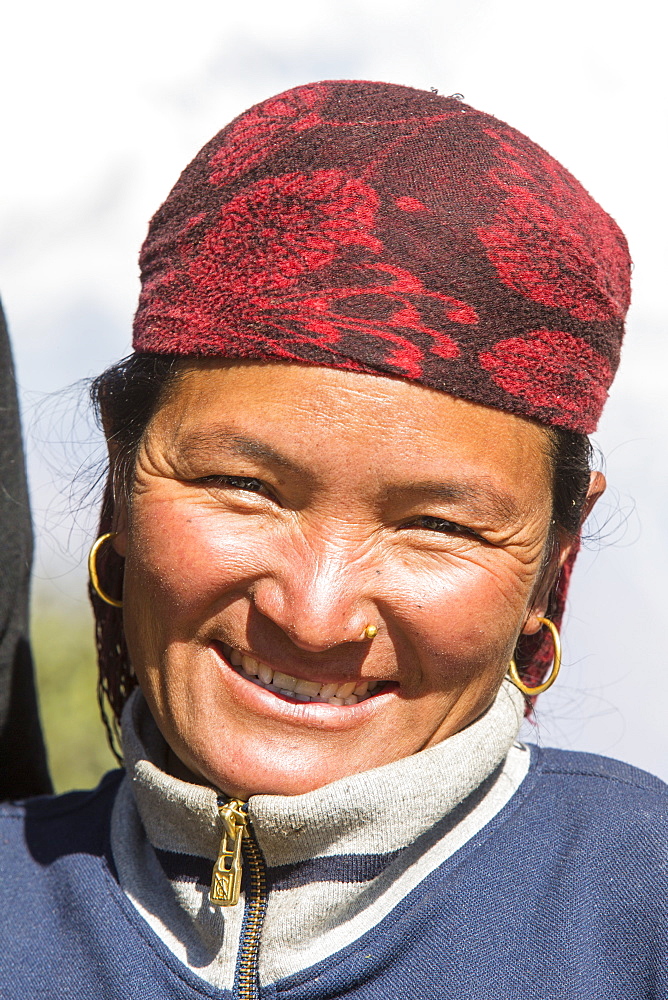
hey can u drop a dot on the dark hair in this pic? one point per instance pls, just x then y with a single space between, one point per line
126 396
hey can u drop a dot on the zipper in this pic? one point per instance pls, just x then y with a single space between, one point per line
226 875
247 986
236 846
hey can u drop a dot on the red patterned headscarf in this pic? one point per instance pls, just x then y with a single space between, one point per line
380 229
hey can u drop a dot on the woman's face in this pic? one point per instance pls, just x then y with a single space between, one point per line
280 509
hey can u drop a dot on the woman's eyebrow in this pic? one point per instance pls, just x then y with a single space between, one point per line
225 438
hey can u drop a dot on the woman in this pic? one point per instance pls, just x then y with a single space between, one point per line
348 471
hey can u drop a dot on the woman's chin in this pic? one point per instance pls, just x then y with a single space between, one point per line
244 756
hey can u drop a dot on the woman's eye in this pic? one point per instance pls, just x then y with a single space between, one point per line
428 523
247 483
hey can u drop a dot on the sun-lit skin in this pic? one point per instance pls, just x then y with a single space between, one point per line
354 499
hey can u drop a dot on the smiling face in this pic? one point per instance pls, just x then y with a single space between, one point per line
280 509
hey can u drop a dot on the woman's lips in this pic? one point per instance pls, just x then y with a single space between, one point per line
285 686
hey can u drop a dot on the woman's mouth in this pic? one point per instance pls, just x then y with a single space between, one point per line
297 689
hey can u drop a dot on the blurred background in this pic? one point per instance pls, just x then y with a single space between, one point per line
103 105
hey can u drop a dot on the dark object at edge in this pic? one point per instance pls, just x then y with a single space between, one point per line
23 766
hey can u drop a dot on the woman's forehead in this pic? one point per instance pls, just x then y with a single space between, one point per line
208 387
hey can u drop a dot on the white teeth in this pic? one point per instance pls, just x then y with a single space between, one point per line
266 674
250 665
328 691
284 681
349 693
311 688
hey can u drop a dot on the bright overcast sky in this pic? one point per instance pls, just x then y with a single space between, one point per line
103 105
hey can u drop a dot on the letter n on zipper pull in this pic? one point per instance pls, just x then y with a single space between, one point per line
226 877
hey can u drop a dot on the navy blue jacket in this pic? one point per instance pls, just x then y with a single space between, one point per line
562 896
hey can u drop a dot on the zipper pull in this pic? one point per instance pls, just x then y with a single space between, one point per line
226 877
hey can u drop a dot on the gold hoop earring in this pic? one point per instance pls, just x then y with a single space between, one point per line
92 570
556 664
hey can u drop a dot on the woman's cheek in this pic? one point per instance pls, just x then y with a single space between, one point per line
468 612
187 557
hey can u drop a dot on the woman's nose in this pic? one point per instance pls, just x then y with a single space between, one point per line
320 600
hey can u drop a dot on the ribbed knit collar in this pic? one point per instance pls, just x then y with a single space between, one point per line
374 811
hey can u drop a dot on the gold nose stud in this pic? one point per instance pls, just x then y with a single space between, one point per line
370 632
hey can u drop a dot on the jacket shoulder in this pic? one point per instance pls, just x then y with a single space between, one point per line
608 801
49 826
604 770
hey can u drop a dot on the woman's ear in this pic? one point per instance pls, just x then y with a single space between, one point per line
560 554
597 485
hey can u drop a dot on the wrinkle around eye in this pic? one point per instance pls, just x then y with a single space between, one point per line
443 526
243 484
